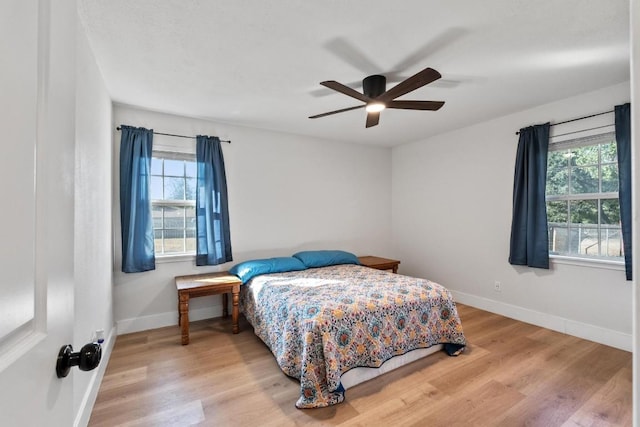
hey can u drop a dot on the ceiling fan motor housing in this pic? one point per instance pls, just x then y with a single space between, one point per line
374 86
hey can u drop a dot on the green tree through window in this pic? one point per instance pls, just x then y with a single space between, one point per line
583 211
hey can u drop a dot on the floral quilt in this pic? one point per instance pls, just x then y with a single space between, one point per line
321 322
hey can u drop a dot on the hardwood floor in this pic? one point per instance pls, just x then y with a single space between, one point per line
511 374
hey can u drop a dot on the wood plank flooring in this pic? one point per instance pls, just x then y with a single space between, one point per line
511 374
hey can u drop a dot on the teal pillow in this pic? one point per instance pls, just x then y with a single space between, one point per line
249 269
313 259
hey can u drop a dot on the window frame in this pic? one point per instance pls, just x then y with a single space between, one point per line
578 259
172 153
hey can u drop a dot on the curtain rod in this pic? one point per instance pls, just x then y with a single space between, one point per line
575 120
177 136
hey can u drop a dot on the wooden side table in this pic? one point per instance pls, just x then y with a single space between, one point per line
379 263
200 285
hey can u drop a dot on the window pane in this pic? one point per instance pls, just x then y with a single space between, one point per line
191 240
610 177
557 212
190 213
584 179
557 172
157 241
190 169
588 238
173 217
585 155
557 159
174 188
584 211
191 189
557 181
609 152
173 167
610 212
612 242
558 239
156 166
173 241
156 188
156 213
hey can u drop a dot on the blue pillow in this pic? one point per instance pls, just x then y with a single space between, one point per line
323 258
248 269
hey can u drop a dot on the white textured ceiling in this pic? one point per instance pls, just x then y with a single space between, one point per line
258 63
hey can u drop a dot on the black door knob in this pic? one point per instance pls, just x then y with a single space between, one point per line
86 359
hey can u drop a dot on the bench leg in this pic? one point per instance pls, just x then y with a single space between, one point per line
184 317
236 294
225 304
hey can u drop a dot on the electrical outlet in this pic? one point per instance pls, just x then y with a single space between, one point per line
497 286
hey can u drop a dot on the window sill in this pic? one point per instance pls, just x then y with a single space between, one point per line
162 259
584 262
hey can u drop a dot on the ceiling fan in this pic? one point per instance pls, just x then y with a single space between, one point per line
376 98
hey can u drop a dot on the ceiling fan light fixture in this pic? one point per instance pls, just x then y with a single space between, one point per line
375 107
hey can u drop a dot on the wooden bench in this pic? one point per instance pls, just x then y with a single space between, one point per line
379 263
200 285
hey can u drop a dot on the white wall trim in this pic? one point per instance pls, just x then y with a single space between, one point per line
91 392
560 324
161 320
589 263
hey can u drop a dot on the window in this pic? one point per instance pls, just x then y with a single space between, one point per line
583 211
173 199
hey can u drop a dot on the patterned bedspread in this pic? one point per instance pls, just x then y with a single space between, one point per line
321 322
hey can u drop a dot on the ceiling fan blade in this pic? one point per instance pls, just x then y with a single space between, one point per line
414 82
336 112
373 119
351 55
415 105
433 46
339 87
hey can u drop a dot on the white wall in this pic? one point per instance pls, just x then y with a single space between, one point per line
286 193
451 216
93 260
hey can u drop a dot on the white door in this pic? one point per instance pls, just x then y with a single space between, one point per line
37 110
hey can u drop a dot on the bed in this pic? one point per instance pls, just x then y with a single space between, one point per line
324 324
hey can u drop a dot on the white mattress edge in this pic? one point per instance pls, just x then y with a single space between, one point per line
359 375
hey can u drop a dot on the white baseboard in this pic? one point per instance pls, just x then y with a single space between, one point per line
567 326
161 320
89 398
560 324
